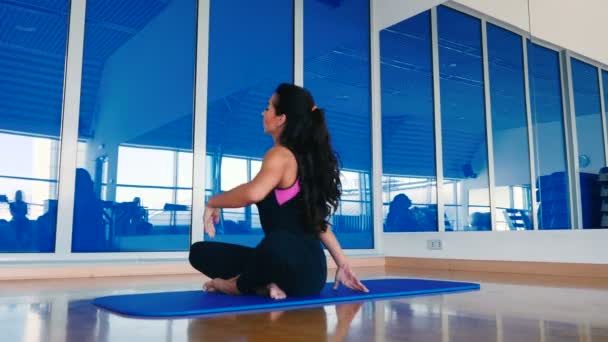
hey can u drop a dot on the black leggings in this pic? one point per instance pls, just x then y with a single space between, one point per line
296 263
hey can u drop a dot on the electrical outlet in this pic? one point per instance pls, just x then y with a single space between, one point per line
434 244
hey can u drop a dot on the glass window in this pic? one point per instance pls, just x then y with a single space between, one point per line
184 169
587 106
234 172
509 127
33 38
503 196
549 145
136 113
603 223
605 86
209 176
408 136
132 160
250 54
463 123
520 198
336 71
256 166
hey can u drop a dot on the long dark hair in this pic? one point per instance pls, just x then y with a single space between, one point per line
306 135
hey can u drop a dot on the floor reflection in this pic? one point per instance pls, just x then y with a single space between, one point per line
499 312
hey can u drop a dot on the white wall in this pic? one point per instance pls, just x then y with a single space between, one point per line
575 25
570 246
390 12
513 12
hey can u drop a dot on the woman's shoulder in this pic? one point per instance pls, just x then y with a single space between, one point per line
279 151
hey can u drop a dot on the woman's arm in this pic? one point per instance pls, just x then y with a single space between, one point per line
243 195
329 240
344 274
265 181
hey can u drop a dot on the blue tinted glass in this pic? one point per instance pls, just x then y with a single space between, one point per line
32 58
136 127
549 146
336 71
605 86
603 183
465 156
250 54
408 138
587 105
509 130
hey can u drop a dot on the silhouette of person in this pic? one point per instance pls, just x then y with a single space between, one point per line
18 208
46 228
20 222
400 218
88 225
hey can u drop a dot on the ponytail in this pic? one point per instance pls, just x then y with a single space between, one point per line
307 136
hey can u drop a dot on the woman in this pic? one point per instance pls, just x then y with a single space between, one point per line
295 191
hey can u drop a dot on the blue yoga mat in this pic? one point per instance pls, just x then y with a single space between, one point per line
188 303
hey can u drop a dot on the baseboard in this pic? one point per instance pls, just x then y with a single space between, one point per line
360 262
23 272
93 271
518 267
107 269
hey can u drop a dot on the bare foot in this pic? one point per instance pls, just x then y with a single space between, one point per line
225 286
275 292
209 286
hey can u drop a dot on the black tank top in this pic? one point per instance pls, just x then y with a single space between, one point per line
283 209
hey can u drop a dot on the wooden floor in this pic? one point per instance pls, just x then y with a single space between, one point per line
508 308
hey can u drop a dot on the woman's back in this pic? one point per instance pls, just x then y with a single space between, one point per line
283 209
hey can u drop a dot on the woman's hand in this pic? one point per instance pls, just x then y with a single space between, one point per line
211 217
346 277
